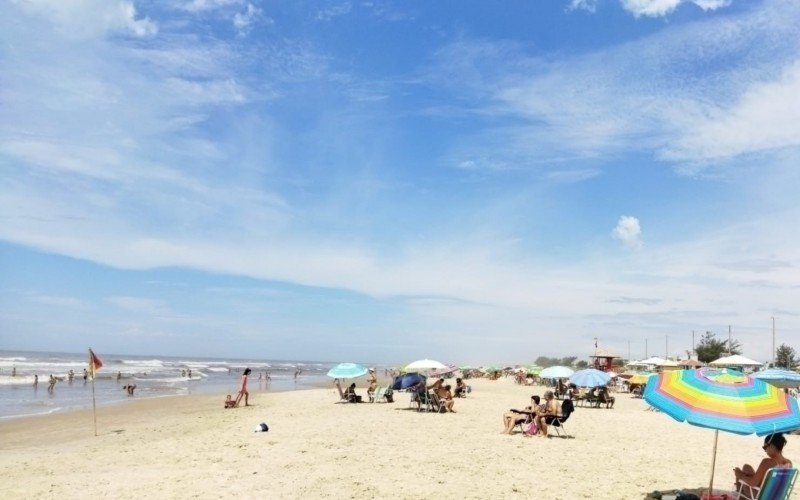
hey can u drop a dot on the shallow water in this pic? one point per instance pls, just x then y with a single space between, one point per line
154 376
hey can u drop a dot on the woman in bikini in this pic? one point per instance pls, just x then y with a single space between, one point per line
512 418
747 477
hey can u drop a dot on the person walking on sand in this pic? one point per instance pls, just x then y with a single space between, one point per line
52 385
243 389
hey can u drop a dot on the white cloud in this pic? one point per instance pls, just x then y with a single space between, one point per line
629 232
587 5
334 11
241 20
90 18
209 5
765 117
656 8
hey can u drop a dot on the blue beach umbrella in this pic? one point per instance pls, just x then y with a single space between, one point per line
590 378
778 377
347 370
407 380
556 372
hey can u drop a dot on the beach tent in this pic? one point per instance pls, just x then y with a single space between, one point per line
735 360
691 363
652 361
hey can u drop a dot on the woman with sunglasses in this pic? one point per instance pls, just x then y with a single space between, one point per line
747 477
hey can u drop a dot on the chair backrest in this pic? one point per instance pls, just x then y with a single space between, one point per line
778 484
566 408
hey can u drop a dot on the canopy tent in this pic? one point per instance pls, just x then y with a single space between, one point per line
693 363
735 360
653 361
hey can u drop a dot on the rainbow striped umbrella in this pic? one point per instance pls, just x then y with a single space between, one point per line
723 400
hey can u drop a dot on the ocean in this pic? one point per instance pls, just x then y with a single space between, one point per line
154 376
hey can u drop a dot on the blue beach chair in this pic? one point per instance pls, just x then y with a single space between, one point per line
777 485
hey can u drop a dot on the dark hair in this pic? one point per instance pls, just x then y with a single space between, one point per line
458 380
247 371
776 440
536 399
447 387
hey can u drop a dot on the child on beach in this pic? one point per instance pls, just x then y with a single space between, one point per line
229 402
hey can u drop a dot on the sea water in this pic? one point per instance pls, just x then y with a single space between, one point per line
154 376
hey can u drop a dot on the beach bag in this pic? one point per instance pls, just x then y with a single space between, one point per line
531 429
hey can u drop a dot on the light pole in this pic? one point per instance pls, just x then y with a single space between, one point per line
773 342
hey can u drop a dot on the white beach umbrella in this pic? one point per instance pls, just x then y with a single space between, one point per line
556 372
425 364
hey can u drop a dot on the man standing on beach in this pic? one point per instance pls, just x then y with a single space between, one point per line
243 389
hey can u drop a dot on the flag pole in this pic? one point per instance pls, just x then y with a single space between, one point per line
94 404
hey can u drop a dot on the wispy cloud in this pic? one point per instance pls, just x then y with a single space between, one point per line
334 11
91 18
657 8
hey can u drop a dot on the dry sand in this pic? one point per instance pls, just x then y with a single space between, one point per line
189 447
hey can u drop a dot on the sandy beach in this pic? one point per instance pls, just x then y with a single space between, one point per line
189 447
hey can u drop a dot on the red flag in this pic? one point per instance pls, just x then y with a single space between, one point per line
94 363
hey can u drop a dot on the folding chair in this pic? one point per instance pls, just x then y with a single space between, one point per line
567 408
777 485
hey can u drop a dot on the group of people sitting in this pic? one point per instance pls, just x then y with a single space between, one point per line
442 391
351 396
536 417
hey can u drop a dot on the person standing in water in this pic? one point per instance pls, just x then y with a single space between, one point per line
243 389
52 385
35 380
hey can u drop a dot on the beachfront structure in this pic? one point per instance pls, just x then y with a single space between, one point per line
602 359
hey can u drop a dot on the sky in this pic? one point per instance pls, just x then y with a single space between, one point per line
387 181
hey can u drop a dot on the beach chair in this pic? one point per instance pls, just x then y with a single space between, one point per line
423 398
377 395
591 399
604 398
436 404
777 485
567 408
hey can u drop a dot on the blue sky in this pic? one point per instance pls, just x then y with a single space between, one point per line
381 181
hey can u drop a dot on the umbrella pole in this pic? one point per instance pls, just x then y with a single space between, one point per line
713 465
